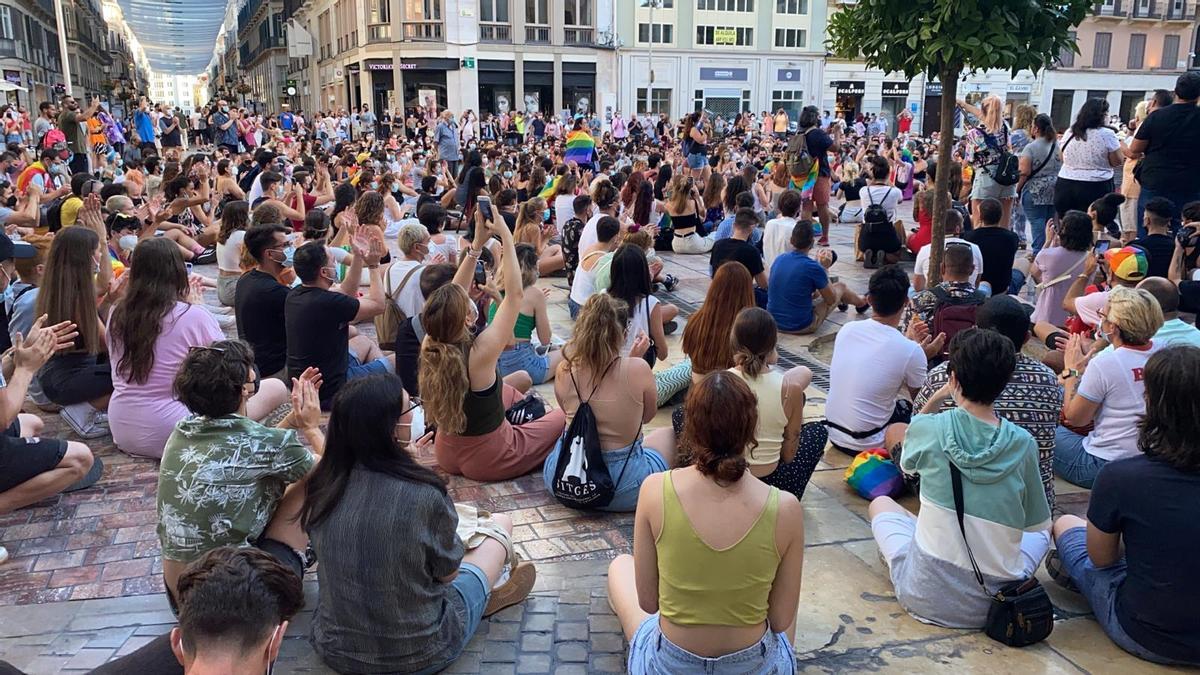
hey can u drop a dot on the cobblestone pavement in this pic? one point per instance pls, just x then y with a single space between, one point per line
84 583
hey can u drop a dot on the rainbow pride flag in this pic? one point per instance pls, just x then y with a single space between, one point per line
549 189
580 148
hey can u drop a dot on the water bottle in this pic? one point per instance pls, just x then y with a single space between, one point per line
817 230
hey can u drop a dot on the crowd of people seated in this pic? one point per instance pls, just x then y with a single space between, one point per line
377 324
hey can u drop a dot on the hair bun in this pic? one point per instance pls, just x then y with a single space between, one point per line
1114 198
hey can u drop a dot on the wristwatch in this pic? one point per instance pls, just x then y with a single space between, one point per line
1068 372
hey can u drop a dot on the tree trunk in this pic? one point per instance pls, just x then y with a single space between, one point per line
942 197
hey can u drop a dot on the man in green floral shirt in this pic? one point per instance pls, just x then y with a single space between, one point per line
224 478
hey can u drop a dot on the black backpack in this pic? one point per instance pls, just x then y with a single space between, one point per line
581 478
952 315
1008 168
51 214
875 217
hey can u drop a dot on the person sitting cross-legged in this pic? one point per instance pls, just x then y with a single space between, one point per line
714 580
1144 596
950 305
873 365
1007 516
802 295
226 480
33 468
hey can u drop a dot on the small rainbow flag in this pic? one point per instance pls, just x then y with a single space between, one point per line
872 474
580 148
549 189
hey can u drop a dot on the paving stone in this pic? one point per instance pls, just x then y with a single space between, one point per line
514 613
607 642
571 652
533 663
536 642
539 623
541 605
499 652
112 638
507 632
604 623
572 612
87 659
571 669
571 631
469 662
607 663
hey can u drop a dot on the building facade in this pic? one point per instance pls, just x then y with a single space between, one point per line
29 52
1126 49
177 91
771 54
262 53
481 55
87 46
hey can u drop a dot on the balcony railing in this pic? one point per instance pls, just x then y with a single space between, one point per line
579 35
1115 9
423 30
537 35
1148 12
381 32
9 47
1181 14
495 32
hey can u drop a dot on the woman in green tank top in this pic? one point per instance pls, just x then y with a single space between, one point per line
520 354
717 552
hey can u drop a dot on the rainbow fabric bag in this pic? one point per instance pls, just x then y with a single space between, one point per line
872 474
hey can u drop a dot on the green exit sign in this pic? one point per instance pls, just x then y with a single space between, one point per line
468 62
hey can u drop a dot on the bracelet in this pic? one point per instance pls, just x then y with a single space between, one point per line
373 267
473 253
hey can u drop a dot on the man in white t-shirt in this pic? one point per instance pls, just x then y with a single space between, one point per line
953 229
403 283
873 364
777 235
1107 391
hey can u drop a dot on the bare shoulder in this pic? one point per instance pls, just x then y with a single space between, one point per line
798 377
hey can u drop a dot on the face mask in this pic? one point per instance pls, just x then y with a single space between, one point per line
279 192
546 215
508 174
331 278
1101 335
288 252
128 242
375 185
224 108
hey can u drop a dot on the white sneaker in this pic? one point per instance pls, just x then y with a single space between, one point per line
85 421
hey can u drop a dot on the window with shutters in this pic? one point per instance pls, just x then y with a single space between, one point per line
1067 58
1170 57
1137 51
1101 49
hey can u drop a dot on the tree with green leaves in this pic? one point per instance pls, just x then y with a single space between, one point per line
942 39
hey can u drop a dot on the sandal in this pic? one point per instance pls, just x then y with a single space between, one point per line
1054 567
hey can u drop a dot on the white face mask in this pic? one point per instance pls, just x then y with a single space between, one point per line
128 242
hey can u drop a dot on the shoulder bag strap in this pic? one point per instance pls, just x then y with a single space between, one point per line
403 282
956 483
1062 277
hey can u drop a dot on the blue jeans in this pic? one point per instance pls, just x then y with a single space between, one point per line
472 584
651 652
1038 215
1178 198
358 369
573 307
1100 586
524 356
1074 464
642 462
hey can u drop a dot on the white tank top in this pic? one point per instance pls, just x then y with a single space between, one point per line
772 420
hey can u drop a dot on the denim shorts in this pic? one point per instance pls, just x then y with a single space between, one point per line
359 369
524 357
472 585
651 652
697 160
641 463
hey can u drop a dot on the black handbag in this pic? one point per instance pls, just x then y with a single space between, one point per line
1021 613
1008 167
528 409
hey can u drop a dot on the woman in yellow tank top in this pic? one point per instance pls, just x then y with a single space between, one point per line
787 450
714 580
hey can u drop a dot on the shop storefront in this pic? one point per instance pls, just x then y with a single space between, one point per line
383 85
539 87
496 86
848 98
895 99
425 82
1015 96
932 120
724 91
788 92
579 87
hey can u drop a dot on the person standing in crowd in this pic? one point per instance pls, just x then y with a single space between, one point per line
445 138
1039 165
1168 143
1090 153
72 122
986 142
818 142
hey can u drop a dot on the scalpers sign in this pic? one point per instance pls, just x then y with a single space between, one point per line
849 87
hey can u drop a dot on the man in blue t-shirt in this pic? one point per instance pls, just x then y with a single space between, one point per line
144 126
287 121
801 295
223 128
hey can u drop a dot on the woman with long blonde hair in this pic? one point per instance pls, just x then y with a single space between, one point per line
683 205
985 143
462 392
534 228
621 393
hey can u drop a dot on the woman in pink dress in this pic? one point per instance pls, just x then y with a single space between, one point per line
151 331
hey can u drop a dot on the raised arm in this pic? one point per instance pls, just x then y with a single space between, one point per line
496 336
